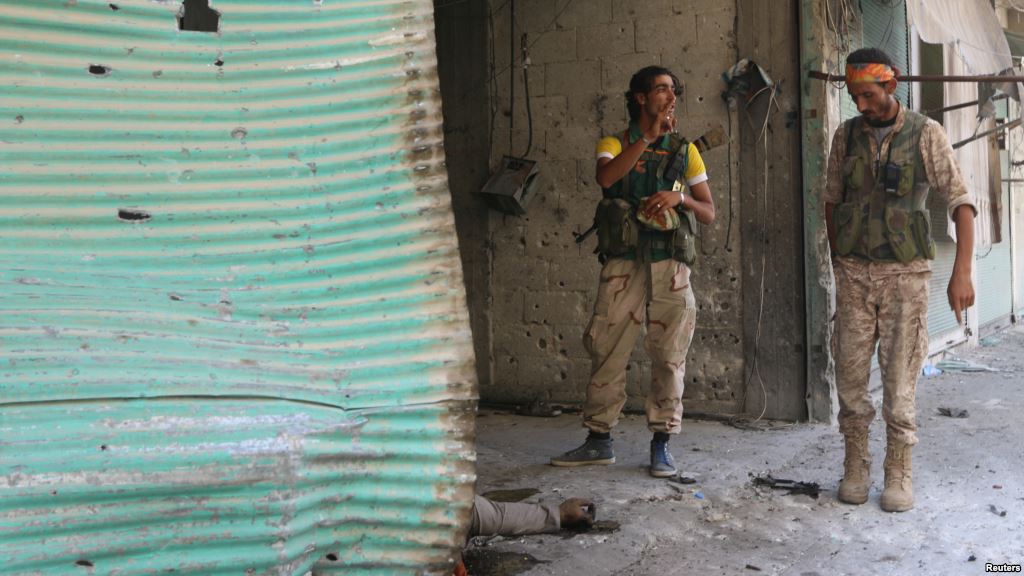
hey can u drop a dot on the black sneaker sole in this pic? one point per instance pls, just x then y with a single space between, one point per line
573 463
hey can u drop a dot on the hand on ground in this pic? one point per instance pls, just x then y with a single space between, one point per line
577 513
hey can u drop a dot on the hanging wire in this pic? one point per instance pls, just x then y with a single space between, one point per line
512 75
526 88
755 369
549 28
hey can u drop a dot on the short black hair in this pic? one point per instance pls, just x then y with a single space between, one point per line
869 56
642 82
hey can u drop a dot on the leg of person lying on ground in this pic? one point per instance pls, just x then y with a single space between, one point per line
491 518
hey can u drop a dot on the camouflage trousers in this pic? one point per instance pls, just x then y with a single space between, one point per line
885 304
633 295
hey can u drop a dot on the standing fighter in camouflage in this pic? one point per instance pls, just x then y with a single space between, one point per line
646 240
881 168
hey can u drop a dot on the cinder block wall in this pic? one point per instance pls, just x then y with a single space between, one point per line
581 56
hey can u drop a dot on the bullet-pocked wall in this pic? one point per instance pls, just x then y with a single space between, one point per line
580 55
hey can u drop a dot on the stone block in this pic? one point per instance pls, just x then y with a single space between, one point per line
610 109
590 108
586 177
546 376
666 34
506 374
523 341
576 13
577 271
549 242
632 9
556 307
576 214
524 272
617 70
716 25
507 304
553 46
569 341
611 39
559 174
508 236
547 112
573 79
535 16
570 142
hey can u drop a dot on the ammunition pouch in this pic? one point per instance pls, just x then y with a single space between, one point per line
853 175
848 218
921 227
897 231
909 234
684 239
617 230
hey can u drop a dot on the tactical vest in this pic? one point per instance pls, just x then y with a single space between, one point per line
884 215
619 232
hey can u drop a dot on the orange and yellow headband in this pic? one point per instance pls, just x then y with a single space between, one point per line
869 73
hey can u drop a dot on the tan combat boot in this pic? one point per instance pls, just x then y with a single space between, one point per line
853 489
898 495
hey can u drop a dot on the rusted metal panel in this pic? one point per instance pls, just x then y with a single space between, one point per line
232 321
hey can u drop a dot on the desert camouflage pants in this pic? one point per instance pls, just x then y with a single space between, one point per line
629 299
884 304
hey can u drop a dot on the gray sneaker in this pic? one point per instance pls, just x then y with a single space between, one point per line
593 451
663 464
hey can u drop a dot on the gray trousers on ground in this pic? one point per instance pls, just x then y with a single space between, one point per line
512 518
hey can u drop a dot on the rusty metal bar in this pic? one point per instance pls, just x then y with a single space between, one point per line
995 130
963 105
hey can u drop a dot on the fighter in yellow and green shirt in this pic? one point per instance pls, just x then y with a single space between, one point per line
647 289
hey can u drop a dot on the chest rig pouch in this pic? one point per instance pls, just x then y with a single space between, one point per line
883 215
620 231
617 230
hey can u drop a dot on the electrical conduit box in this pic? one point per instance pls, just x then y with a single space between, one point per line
512 185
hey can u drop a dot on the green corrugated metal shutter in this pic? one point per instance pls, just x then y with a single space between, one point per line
234 327
941 321
995 273
882 25
885 27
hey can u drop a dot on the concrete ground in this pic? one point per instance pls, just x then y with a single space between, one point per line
968 477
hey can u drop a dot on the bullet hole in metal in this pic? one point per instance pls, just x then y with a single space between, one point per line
114 7
197 16
133 215
239 133
219 62
332 557
103 447
19 119
84 563
98 70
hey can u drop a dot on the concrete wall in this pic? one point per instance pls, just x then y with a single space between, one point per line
581 56
462 40
773 214
530 287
